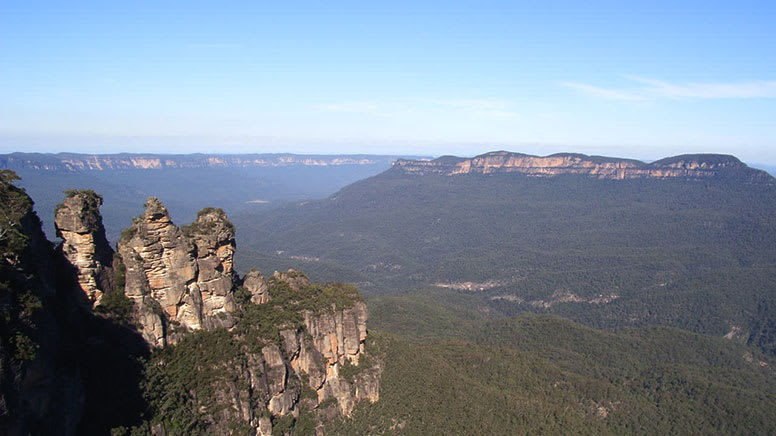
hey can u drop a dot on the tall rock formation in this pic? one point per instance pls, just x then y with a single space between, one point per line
180 281
79 223
213 237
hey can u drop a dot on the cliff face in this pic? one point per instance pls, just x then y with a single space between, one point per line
79 223
316 365
684 167
179 279
292 384
38 394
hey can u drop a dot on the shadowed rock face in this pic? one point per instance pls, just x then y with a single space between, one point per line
38 395
176 277
699 166
79 223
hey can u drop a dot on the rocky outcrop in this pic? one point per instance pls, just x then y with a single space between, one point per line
79 223
328 343
295 279
257 286
700 166
311 368
179 281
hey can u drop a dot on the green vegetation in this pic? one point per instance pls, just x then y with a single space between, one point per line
18 302
183 380
283 426
204 226
93 199
349 371
15 205
284 310
115 303
545 375
128 233
698 255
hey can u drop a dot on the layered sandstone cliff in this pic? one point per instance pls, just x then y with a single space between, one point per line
683 167
79 223
179 280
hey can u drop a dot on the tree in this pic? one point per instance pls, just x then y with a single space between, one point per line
15 204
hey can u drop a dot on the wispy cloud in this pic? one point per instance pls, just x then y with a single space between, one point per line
605 93
653 89
756 89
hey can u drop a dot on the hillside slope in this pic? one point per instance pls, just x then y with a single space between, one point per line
696 250
546 375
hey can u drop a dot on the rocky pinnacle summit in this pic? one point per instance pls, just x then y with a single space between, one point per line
79 223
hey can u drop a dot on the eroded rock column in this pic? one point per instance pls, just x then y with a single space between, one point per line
79 223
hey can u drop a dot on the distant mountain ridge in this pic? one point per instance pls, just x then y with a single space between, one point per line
186 182
98 162
689 166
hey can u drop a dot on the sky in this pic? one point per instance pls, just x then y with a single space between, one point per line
633 79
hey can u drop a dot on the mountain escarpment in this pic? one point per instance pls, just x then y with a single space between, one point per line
695 166
72 162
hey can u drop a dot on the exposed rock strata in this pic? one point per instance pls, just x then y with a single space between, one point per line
684 167
79 223
329 342
177 279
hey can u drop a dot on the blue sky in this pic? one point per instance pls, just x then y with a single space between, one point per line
642 80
